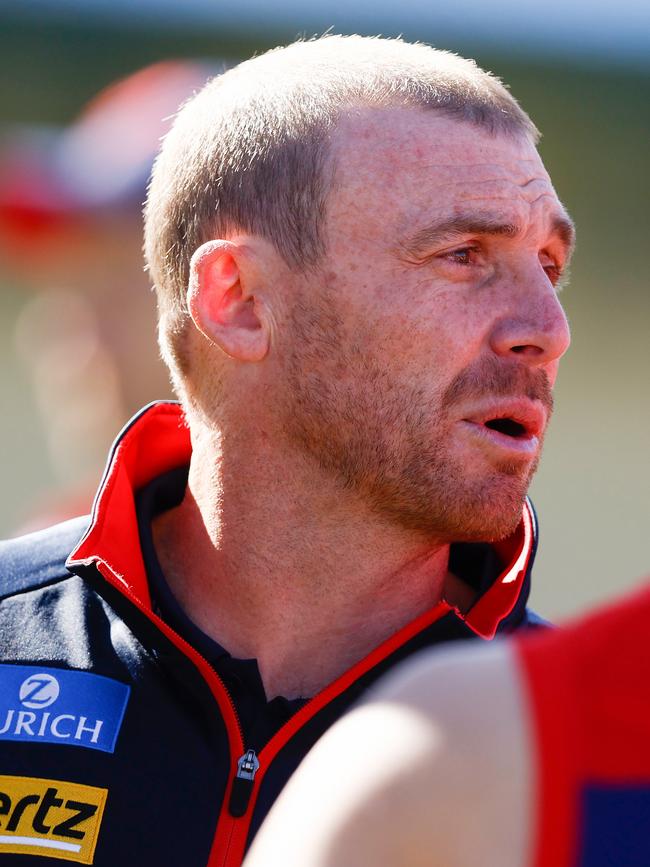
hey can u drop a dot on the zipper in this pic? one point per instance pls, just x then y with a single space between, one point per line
230 840
242 785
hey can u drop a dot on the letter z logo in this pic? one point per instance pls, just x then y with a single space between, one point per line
39 691
52 818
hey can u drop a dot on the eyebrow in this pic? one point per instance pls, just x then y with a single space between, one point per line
419 244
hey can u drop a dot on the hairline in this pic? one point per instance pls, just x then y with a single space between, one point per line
497 114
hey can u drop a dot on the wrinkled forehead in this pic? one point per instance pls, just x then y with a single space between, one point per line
401 162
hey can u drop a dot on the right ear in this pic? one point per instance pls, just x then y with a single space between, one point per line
223 301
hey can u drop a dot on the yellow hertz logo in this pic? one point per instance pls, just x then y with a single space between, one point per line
50 818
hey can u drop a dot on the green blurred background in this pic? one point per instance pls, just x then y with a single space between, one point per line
592 489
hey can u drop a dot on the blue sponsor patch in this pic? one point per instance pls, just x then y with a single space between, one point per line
614 827
55 706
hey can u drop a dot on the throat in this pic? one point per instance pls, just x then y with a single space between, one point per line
303 634
299 581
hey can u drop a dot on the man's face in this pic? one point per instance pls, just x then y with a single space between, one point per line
424 354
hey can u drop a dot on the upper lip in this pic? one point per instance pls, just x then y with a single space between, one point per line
530 414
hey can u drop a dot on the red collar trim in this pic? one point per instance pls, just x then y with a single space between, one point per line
158 440
153 442
496 603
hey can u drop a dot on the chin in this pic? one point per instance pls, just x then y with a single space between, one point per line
464 520
495 528
493 514
487 511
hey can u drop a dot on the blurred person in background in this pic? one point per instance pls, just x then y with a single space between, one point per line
531 752
356 251
70 233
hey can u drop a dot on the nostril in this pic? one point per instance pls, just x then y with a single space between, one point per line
527 349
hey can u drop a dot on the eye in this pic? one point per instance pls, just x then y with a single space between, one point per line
554 273
462 255
554 267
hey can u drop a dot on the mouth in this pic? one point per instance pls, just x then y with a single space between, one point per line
508 426
514 427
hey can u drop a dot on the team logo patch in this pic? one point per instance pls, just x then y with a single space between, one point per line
50 818
50 705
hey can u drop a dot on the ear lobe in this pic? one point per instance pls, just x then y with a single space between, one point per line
220 303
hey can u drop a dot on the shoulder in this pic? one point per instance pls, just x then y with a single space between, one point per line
473 706
47 612
38 559
437 760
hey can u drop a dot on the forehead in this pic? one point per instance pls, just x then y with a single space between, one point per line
396 166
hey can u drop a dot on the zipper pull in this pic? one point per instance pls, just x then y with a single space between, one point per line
242 785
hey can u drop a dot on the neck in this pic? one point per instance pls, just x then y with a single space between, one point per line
289 570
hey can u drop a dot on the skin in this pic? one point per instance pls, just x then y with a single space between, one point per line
418 776
335 453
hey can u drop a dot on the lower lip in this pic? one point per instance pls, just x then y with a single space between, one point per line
515 447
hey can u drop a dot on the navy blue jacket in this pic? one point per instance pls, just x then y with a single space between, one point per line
119 743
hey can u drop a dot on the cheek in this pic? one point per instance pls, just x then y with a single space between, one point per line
419 326
445 334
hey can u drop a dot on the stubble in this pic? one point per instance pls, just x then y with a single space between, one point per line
388 440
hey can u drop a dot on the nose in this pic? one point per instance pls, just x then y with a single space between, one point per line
536 331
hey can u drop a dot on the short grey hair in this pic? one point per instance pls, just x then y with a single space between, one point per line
250 151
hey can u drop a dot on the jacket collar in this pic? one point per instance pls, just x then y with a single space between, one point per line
157 439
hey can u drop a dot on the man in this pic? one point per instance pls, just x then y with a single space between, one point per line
356 250
532 752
